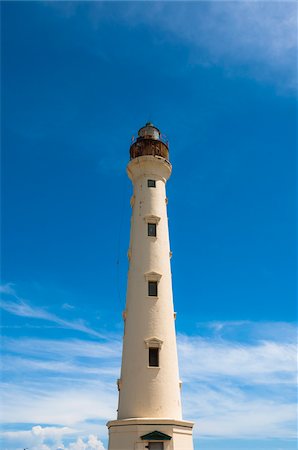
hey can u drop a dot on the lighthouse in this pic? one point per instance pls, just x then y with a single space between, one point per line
149 414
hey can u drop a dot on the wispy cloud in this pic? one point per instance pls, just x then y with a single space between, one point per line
7 289
245 38
72 348
20 307
240 412
264 362
67 306
65 401
239 375
246 389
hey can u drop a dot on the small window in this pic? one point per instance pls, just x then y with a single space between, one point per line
154 357
151 229
152 288
151 183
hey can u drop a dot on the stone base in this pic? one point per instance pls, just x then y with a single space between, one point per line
126 434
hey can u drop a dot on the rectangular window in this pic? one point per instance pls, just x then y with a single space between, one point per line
151 229
151 183
153 357
152 288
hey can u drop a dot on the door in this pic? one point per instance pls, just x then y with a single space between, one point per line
155 446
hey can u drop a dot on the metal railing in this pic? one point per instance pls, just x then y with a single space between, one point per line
162 138
148 146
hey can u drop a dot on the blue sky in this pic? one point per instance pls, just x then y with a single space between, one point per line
78 80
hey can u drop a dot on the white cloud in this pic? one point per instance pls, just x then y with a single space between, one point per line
20 307
92 443
64 348
40 432
264 362
255 39
246 389
67 306
226 410
51 438
7 289
62 401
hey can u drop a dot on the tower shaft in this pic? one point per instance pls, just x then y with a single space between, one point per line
147 390
149 409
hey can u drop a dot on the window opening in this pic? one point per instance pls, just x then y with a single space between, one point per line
156 446
154 357
152 288
152 229
151 183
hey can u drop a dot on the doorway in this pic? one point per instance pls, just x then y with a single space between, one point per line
156 446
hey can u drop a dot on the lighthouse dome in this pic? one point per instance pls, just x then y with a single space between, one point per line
149 131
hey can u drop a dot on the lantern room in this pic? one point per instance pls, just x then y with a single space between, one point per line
149 142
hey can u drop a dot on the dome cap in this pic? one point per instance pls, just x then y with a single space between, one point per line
149 131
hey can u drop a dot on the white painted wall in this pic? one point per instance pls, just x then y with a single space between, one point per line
126 434
149 397
149 391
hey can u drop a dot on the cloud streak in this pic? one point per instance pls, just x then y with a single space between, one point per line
247 390
20 307
262 363
245 38
239 375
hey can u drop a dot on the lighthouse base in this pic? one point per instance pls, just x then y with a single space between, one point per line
155 434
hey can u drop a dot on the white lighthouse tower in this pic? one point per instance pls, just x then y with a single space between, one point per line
149 409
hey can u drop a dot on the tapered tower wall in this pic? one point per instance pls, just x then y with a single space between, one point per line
149 391
149 409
